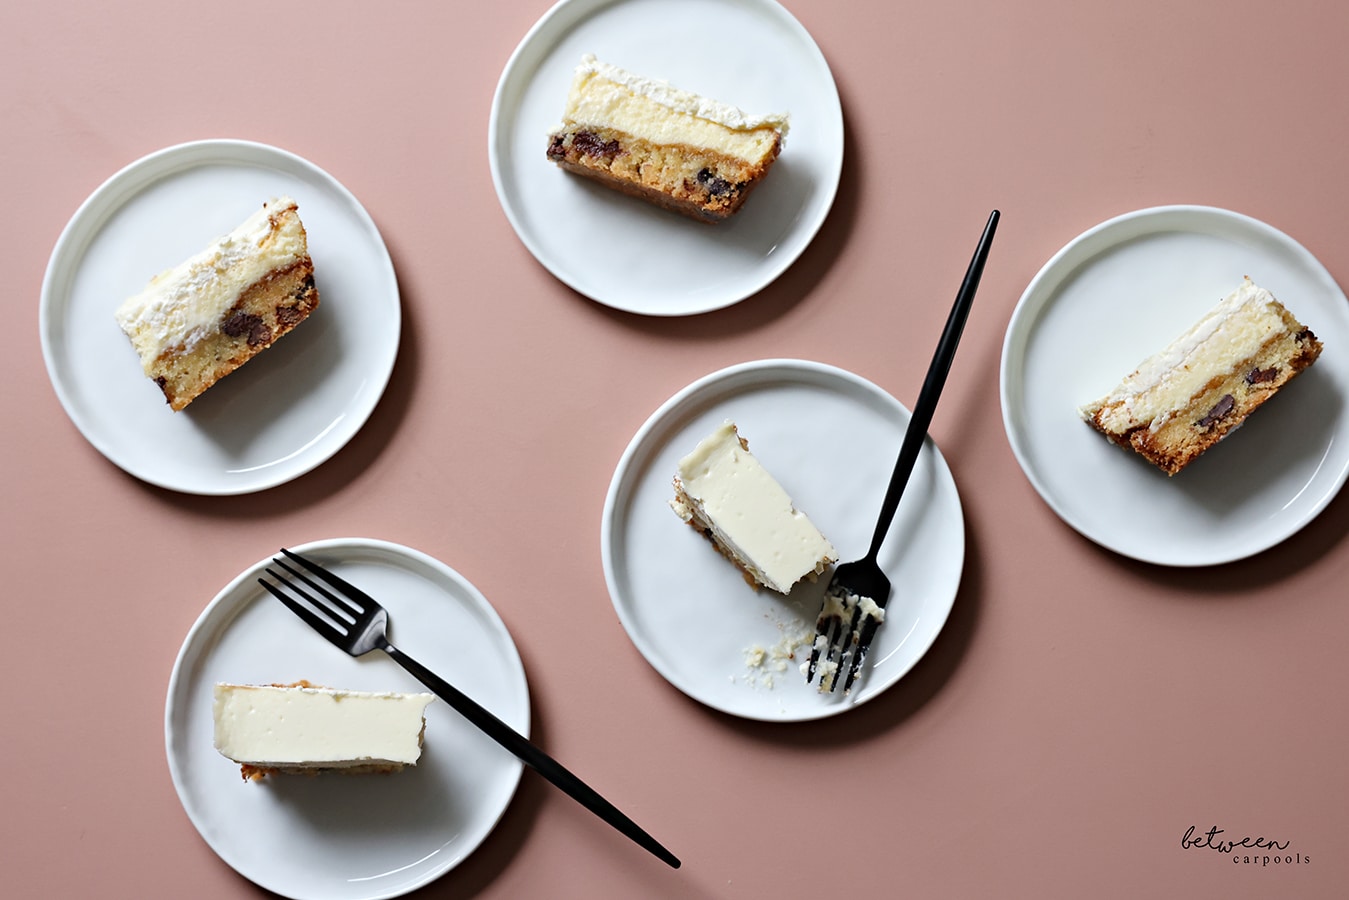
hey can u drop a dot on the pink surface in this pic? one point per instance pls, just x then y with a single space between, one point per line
1078 713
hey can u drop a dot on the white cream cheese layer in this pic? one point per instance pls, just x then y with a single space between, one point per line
264 725
1231 332
750 513
603 95
184 304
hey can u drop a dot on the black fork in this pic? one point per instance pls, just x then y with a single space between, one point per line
854 603
354 622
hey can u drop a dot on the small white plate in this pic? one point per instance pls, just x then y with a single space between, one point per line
831 438
628 254
342 837
1118 293
283 413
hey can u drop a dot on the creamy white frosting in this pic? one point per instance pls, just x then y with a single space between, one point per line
749 513
264 725
1231 332
182 305
604 95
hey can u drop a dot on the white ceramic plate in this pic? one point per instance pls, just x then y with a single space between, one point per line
351 837
831 438
285 412
1124 290
628 254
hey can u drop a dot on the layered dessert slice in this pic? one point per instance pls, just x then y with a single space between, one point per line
673 148
1193 393
210 314
722 490
302 729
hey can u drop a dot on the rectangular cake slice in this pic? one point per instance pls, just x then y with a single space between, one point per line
723 490
673 148
210 314
1193 393
303 729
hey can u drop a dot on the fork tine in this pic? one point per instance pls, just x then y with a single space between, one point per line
846 639
864 639
824 628
332 631
346 587
830 631
844 631
346 607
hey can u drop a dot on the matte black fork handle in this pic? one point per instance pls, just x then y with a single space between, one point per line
531 755
932 386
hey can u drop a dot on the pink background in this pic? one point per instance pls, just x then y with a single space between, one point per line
1079 711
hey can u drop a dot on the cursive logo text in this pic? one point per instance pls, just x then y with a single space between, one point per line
1193 839
1210 839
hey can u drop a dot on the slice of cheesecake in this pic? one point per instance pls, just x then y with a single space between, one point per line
205 317
723 490
303 729
681 151
1185 398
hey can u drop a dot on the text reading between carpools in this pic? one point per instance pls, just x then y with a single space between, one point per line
1211 840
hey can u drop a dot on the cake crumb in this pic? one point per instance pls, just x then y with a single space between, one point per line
763 665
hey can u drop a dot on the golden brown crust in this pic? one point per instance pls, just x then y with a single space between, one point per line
696 182
257 773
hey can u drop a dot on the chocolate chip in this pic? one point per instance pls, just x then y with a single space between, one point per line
1303 335
1220 411
716 186
246 324
288 315
555 150
238 324
305 287
591 144
1260 376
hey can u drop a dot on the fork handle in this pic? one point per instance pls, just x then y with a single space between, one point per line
531 755
933 383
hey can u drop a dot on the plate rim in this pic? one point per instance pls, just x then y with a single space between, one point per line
1040 291
111 195
754 371
195 644
567 14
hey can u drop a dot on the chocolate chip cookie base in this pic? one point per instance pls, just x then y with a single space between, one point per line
269 308
693 181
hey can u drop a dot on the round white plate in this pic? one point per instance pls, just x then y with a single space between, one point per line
350 837
628 254
1120 292
284 412
831 438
